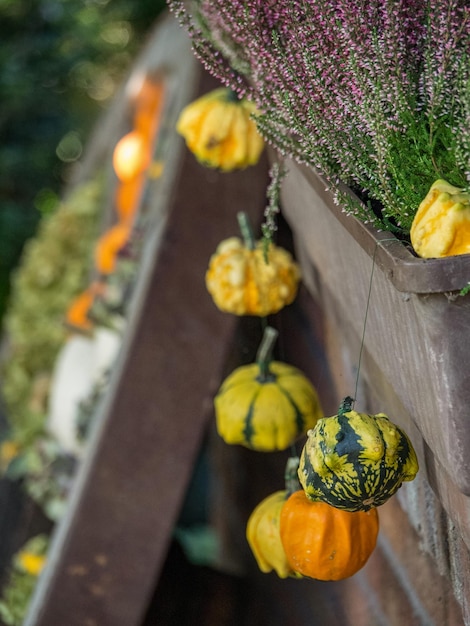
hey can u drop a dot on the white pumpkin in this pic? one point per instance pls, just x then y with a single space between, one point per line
80 363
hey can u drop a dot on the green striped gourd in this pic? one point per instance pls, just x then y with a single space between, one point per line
355 461
266 405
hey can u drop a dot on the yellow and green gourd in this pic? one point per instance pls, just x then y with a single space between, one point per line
245 277
263 536
441 226
266 405
220 131
355 461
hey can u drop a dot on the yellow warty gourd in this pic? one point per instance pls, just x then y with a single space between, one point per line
243 282
220 132
441 226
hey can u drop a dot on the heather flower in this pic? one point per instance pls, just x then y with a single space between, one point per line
269 226
372 94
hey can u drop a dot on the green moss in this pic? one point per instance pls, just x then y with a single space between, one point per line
55 267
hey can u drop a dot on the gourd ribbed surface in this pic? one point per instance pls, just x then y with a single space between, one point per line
266 414
355 461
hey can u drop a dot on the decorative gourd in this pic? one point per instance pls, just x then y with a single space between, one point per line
148 106
220 132
355 461
109 244
128 196
245 278
263 536
266 405
441 226
323 542
77 313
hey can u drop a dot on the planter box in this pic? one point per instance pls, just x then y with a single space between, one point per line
417 338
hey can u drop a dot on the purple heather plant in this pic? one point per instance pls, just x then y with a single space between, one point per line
374 94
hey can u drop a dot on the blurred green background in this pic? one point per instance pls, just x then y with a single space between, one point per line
61 62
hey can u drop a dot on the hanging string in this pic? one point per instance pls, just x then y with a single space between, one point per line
361 349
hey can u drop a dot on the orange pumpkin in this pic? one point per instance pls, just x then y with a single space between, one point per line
148 107
77 313
323 542
127 197
109 245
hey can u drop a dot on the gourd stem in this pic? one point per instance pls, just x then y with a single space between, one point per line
232 96
290 475
265 351
246 230
346 405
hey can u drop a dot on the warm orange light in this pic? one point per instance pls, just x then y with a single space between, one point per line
109 245
131 156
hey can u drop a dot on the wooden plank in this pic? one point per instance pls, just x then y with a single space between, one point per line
108 551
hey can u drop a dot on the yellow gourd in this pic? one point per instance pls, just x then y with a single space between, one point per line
263 535
245 277
109 245
220 132
441 226
355 461
266 405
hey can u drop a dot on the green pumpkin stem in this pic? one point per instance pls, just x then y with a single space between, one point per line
291 476
346 405
232 96
246 230
264 355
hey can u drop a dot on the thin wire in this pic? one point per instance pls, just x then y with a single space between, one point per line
365 323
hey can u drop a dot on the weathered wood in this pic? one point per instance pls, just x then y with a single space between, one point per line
108 551
418 342
391 590
407 272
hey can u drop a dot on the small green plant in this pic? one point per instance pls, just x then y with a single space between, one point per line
22 579
269 226
465 290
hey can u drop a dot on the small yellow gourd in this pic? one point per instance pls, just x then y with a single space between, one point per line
246 278
220 132
266 405
441 226
264 538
